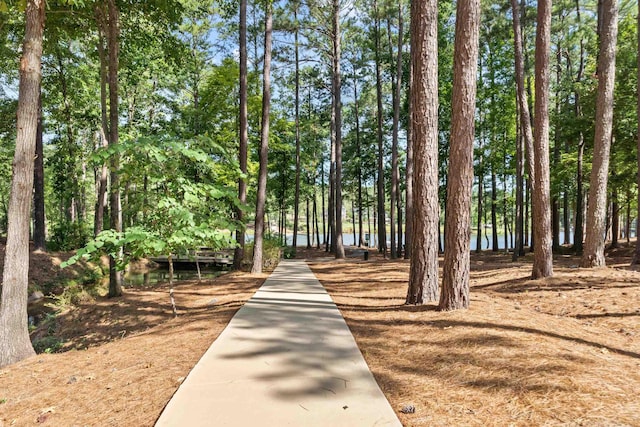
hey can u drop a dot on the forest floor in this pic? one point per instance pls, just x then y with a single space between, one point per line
559 351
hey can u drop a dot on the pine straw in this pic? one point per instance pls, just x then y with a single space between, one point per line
561 351
126 356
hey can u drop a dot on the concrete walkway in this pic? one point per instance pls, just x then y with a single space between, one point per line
287 358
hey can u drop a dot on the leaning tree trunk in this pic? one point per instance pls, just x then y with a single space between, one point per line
423 272
261 197
455 284
243 133
543 256
113 37
15 344
593 255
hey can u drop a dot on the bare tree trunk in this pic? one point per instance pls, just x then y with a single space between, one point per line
15 344
494 214
409 170
519 244
423 273
543 256
296 202
238 254
101 199
113 37
337 105
593 255
615 218
382 229
480 213
578 235
39 226
315 216
324 225
261 198
396 206
359 164
455 284
309 237
523 109
636 256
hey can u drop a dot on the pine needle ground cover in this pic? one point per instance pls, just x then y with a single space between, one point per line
122 358
560 351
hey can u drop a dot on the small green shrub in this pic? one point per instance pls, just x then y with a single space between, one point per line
47 344
289 252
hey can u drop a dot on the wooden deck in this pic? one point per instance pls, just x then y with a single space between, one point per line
204 257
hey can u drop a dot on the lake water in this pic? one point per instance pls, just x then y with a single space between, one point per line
153 277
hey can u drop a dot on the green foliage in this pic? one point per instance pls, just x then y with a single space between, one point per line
67 236
48 344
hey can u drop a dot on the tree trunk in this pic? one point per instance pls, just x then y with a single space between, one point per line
39 226
494 214
337 128
636 256
593 255
307 211
578 235
101 199
382 229
455 284
480 213
113 37
296 202
359 161
243 133
261 198
423 273
543 256
315 216
518 250
409 170
615 218
396 206
324 224
523 109
15 344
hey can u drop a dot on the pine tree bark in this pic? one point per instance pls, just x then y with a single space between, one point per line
524 113
39 225
243 134
578 235
593 255
408 235
494 213
15 344
359 161
113 39
337 128
423 272
296 202
382 229
261 197
543 256
636 256
455 284
396 206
